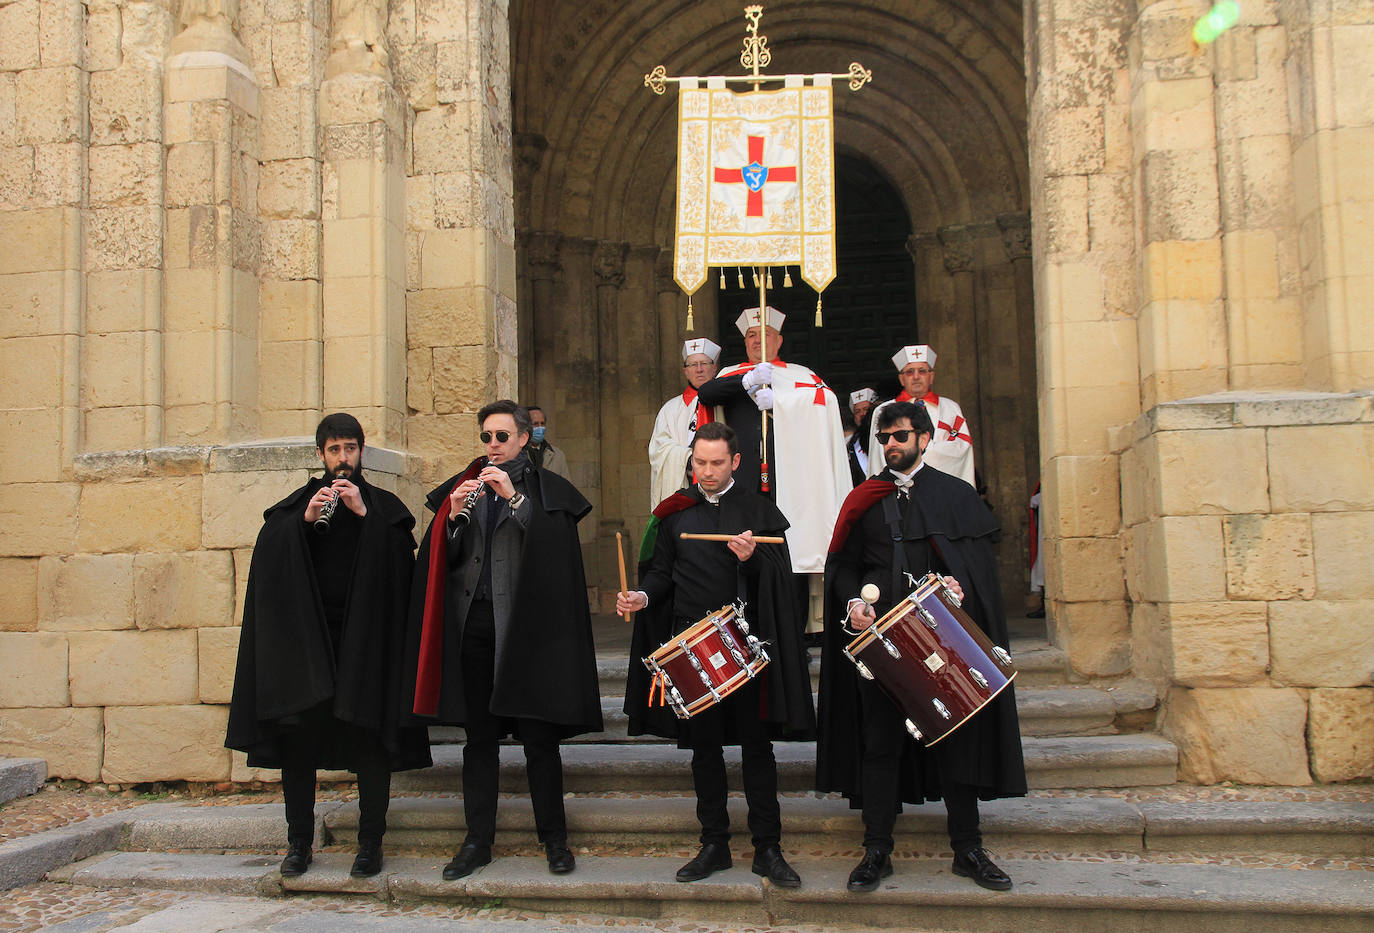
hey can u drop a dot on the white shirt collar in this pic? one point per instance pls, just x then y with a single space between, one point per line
715 500
905 479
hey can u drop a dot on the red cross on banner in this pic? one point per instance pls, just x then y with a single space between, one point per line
755 175
820 387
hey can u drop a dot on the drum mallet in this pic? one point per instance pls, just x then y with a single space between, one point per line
758 539
620 557
869 594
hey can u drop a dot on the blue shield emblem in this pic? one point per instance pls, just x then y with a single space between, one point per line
755 176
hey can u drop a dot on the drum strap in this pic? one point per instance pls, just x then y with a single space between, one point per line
893 516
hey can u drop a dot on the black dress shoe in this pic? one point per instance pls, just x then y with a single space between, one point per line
469 858
713 857
368 861
769 863
875 866
975 864
560 858
297 860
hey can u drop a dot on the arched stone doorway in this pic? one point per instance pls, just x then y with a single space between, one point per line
943 124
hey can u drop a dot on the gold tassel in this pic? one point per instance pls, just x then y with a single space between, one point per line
722 280
741 276
818 311
770 276
786 276
690 325
756 278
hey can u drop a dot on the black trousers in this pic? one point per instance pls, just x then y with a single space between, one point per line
884 738
302 751
706 737
481 753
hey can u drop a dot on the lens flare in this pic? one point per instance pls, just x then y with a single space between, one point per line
1221 17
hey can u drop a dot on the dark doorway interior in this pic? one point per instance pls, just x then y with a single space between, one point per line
869 310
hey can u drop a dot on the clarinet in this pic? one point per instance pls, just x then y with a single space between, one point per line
326 513
465 513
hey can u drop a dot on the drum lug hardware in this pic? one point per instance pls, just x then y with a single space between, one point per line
950 593
978 677
739 616
701 672
1001 654
940 708
863 670
891 648
679 707
915 733
926 617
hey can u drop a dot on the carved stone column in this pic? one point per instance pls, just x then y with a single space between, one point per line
669 304
1016 240
608 265
543 266
960 380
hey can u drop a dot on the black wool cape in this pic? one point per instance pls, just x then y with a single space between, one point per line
548 670
286 662
771 610
984 753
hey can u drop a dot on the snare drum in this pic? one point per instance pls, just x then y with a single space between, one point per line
935 663
707 662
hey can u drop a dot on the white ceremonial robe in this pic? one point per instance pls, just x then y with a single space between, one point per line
951 446
811 474
670 446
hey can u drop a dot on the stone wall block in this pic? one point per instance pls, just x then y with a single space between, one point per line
1090 568
18 594
1321 643
419 380
453 258
1342 484
165 743
218 658
289 373
1183 270
288 123
84 592
125 176
291 249
1096 636
113 370
58 174
234 503
1340 734
48 106
124 238
1177 559
447 442
1088 496
1252 735
125 106
191 173
103 35
289 311
439 317
1211 472
118 301
33 302
290 188
34 669
141 515
1218 644
1341 541
1269 557
30 462
243 560
128 668
71 740
185 590
33 372
442 140
1180 195
38 518
19 36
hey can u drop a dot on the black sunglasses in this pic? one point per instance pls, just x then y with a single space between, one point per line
501 437
901 436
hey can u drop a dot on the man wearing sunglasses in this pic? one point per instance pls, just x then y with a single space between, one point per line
951 444
670 445
912 519
500 638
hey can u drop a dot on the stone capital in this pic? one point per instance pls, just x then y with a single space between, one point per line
608 262
357 38
208 26
529 154
917 242
957 242
541 255
1016 234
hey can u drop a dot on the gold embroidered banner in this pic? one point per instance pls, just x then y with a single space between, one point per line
756 181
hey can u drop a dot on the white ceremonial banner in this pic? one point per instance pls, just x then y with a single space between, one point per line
756 181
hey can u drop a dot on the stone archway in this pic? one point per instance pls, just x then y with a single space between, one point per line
944 122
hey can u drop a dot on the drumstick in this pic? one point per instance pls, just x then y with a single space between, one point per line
758 539
620 556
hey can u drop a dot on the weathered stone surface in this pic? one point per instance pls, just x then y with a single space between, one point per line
48 105
1341 544
183 590
460 378
1342 484
38 518
162 743
18 595
1253 735
1090 569
1269 557
234 503
128 668
29 462
1096 637
1320 643
141 515
218 654
1176 559
86 592
1217 644
1088 496
35 669
33 372
1340 734
70 740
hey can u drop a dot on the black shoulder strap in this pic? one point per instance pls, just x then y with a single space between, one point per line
893 516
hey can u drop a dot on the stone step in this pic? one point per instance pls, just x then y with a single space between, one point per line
1063 761
1050 894
1030 824
20 777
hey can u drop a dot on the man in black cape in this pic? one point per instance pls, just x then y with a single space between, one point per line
685 581
500 638
318 682
863 749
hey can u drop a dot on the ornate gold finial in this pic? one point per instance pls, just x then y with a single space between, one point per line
858 76
656 80
755 55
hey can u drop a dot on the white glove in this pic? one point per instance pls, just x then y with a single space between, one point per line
763 398
760 375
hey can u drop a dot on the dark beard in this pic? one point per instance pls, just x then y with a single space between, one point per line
342 471
907 461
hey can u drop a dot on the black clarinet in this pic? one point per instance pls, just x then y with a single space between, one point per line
326 513
464 515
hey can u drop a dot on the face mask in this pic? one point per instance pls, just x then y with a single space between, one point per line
537 434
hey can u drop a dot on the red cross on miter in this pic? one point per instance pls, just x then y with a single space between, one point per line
820 387
755 175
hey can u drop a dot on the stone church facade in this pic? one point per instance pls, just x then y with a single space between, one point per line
1138 258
